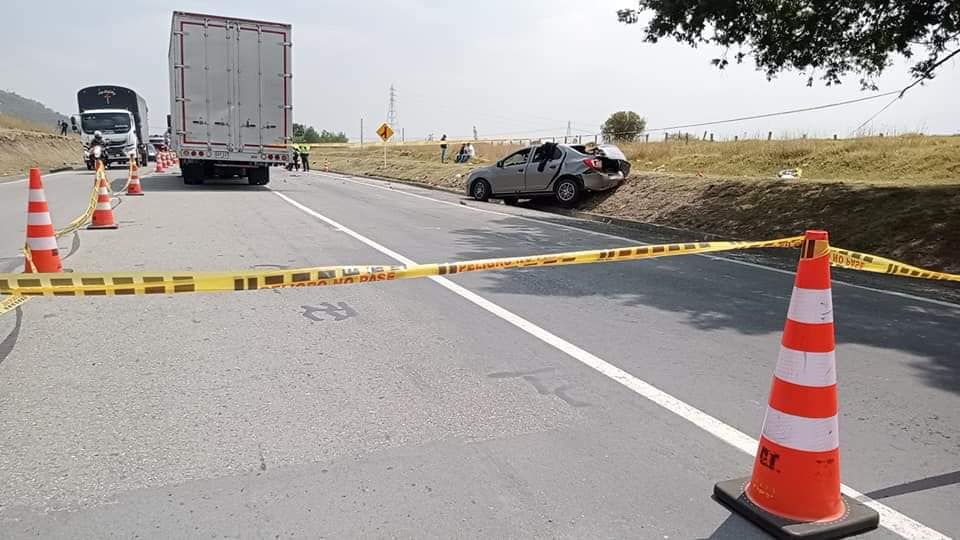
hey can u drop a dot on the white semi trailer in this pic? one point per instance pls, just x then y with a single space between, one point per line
230 96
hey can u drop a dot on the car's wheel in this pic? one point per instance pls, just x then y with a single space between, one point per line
480 190
567 191
510 201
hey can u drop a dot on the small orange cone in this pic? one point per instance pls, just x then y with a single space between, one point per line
794 491
41 237
133 182
103 214
159 163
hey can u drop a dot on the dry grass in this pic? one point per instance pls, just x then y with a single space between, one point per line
12 122
905 160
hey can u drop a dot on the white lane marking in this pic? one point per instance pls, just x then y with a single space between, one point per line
631 240
48 175
889 518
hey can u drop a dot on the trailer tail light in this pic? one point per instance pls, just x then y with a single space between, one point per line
593 163
193 152
270 157
200 153
283 157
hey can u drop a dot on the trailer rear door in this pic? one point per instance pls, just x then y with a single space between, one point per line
263 87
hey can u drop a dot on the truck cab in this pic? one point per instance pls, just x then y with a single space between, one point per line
117 127
120 114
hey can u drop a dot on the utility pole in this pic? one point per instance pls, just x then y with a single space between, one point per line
392 110
569 128
361 133
475 137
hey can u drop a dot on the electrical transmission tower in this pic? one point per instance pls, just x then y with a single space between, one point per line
392 111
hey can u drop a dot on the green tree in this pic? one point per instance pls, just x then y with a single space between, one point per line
298 130
311 136
624 126
331 137
820 39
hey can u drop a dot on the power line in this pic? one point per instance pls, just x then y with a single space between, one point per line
779 113
868 120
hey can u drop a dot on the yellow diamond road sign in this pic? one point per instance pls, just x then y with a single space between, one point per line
385 131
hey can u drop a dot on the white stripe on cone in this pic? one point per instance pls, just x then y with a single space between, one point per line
38 218
36 195
806 368
799 433
103 206
42 244
812 306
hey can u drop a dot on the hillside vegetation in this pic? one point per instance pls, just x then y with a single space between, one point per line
894 196
17 106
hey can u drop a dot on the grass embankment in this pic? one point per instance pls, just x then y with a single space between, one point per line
24 144
893 196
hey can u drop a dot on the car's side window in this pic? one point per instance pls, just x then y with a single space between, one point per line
555 154
517 158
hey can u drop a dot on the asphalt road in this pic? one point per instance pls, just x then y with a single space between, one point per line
464 408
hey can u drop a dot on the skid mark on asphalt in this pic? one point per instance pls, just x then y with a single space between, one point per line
890 519
544 388
6 346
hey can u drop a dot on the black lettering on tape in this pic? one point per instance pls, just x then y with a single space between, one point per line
703 245
625 252
183 278
377 269
300 276
61 282
153 279
23 282
31 293
689 246
95 292
155 290
64 293
4 285
123 292
238 284
186 287
351 271
272 280
657 249
326 274
252 283
92 281
673 247
123 281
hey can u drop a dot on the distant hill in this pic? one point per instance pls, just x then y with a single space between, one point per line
13 104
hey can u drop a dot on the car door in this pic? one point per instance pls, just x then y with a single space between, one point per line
543 168
509 172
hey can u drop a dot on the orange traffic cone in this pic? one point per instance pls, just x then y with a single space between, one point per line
41 238
159 163
794 491
133 182
103 214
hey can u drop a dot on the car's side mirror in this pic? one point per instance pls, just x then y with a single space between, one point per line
500 164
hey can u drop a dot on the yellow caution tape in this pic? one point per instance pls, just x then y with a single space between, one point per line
11 303
130 283
83 218
844 258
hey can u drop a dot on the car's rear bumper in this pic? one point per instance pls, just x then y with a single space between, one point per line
601 181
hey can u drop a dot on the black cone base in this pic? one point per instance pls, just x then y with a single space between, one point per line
857 520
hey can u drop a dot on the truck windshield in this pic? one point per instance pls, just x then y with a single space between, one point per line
105 122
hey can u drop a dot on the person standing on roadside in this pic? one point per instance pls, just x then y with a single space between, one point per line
63 127
304 150
443 148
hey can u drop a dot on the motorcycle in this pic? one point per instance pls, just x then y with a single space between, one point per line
96 153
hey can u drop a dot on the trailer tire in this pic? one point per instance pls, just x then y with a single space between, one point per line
259 176
192 173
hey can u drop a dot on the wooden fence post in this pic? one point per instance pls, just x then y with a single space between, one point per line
769 135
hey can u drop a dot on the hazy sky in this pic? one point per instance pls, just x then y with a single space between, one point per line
510 67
